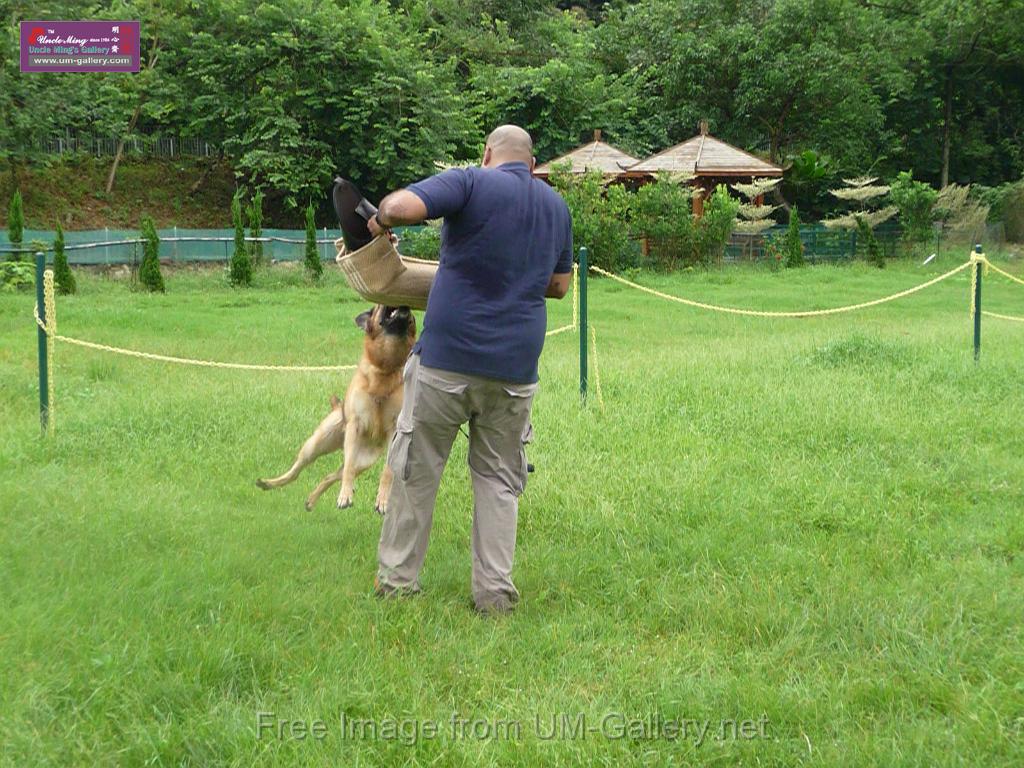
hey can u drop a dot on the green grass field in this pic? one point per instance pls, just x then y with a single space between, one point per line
808 530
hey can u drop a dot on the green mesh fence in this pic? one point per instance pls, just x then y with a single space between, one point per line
122 246
820 243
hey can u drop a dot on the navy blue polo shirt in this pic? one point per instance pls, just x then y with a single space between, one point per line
504 234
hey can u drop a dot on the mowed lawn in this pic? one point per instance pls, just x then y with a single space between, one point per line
802 535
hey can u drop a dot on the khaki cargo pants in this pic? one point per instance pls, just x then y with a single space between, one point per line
435 404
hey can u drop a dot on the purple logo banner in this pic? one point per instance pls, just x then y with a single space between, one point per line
80 46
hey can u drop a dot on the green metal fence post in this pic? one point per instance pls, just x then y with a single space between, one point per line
583 269
44 373
977 305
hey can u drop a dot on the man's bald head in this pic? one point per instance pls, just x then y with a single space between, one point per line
506 144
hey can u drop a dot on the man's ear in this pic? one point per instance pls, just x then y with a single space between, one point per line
487 157
363 318
533 163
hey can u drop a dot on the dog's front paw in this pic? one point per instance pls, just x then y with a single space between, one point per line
381 507
345 499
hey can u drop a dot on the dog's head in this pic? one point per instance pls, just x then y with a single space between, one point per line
390 334
391 321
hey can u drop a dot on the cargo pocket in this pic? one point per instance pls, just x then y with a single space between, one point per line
438 381
521 392
398 452
524 464
520 399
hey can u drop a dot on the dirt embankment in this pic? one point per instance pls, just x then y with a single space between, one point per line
183 192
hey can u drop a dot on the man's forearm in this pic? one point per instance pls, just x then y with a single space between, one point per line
401 208
558 286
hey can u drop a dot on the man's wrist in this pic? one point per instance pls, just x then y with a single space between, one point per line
380 223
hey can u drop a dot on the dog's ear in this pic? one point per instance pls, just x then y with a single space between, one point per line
363 318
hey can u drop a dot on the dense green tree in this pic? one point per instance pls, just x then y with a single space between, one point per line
314 267
600 216
663 217
254 212
292 92
773 76
154 94
62 274
715 226
240 267
150 276
862 194
915 201
792 245
954 108
15 220
298 91
27 113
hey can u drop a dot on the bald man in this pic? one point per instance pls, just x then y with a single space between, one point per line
506 245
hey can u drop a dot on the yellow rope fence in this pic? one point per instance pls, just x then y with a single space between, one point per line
980 258
1002 317
50 328
768 313
49 325
1002 272
597 370
575 304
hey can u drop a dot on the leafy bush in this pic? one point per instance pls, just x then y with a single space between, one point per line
600 216
792 246
149 271
807 180
1013 213
240 269
916 201
62 274
663 214
606 219
422 243
774 249
869 243
715 226
15 220
16 276
314 267
1006 205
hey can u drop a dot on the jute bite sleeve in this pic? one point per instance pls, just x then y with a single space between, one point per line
377 272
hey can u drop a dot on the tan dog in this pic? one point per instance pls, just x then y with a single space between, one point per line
364 423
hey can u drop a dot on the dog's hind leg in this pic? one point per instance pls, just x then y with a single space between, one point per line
327 438
326 483
358 458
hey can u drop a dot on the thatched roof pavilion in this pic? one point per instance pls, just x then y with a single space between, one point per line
595 156
709 160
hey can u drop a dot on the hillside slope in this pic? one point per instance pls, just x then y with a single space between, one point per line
183 192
